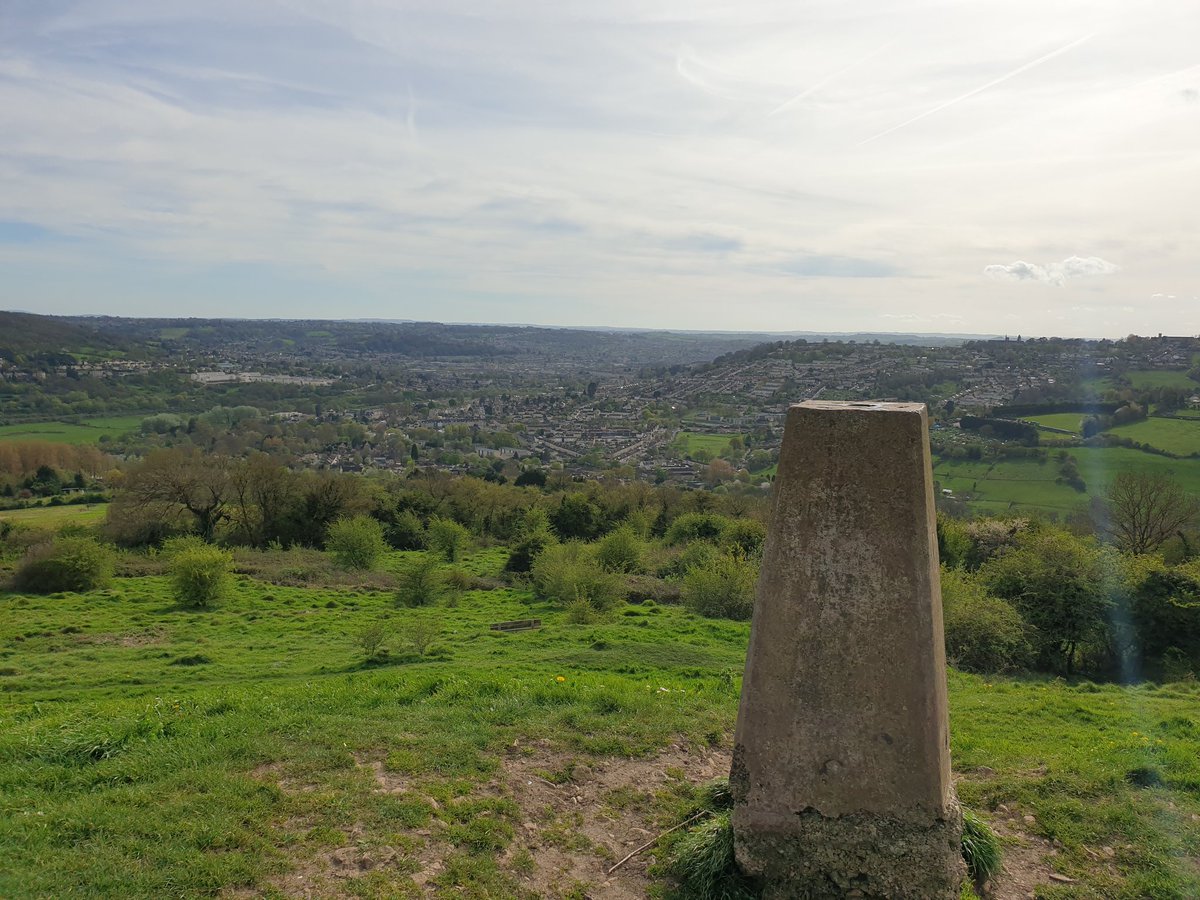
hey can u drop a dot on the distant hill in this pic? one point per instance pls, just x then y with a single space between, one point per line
53 340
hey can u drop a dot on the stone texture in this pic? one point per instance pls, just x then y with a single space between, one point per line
841 773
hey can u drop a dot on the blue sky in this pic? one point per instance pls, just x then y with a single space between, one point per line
959 167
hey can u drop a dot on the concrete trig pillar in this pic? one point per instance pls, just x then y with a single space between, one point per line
841 769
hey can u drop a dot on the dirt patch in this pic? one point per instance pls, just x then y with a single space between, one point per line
589 813
1026 864
151 637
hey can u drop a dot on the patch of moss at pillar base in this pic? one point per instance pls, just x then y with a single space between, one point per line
858 855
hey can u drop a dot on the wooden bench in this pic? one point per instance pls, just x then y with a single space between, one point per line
519 625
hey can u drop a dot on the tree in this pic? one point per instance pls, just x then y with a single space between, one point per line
1057 584
172 483
1141 511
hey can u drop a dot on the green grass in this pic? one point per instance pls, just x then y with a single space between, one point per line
1178 436
54 517
1063 421
1027 485
85 432
148 750
688 442
1146 379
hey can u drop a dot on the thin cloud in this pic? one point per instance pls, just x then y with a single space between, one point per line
979 90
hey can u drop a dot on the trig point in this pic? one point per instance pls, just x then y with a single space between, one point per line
841 770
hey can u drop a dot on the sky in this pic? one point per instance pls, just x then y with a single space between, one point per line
953 167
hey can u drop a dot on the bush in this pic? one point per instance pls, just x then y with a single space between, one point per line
65 564
421 584
983 633
356 543
406 532
723 588
199 571
621 551
744 536
447 537
568 572
371 639
526 551
696 526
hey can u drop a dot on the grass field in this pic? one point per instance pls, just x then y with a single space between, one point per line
1015 485
1152 378
1178 436
688 442
86 432
1072 422
53 517
148 750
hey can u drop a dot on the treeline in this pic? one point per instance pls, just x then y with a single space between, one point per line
257 501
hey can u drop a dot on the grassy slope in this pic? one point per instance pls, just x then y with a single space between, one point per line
149 751
1145 379
1178 436
86 432
1027 484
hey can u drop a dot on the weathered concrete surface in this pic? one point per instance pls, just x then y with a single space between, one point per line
841 770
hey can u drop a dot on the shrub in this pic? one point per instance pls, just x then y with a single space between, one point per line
199 571
744 536
447 537
723 588
696 526
65 564
568 572
621 551
406 532
421 584
356 543
983 633
525 552
371 639
421 635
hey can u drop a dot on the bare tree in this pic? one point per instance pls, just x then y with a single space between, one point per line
1142 511
173 483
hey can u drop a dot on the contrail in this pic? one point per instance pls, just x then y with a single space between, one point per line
824 81
991 84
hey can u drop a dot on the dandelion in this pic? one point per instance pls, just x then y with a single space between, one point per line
559 678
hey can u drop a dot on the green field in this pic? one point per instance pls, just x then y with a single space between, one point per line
54 517
86 432
1072 422
1151 378
1015 485
148 750
688 442
1178 436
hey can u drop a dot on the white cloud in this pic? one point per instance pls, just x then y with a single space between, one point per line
1056 274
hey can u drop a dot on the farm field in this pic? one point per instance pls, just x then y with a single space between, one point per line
148 750
1064 421
1152 378
1178 436
54 517
86 432
1015 485
688 442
